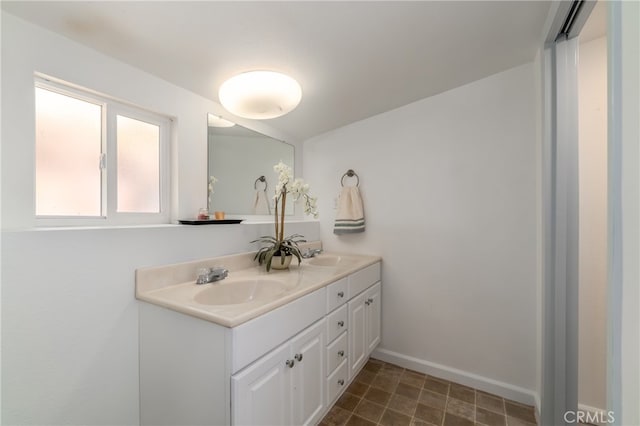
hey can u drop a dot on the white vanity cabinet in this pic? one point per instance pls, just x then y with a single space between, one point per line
284 387
358 335
353 327
364 322
337 340
373 313
286 366
261 394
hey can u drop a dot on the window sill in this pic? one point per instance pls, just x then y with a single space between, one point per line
245 222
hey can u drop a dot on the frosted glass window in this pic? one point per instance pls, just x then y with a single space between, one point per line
98 160
138 166
68 150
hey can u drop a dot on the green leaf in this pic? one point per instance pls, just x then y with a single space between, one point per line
268 259
265 239
296 253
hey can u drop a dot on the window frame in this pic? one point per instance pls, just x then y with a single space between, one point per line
111 108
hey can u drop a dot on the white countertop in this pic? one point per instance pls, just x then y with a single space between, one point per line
174 287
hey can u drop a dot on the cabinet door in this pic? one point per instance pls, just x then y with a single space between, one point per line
373 313
261 393
308 375
357 334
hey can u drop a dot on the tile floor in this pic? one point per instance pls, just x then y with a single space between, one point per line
385 394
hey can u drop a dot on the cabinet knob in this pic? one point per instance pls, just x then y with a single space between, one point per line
341 382
290 363
340 323
341 294
340 353
366 302
298 357
370 300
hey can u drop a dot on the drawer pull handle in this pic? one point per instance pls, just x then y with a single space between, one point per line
367 302
341 382
290 363
370 300
298 357
340 353
341 294
340 323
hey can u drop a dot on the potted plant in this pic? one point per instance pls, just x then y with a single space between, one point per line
278 251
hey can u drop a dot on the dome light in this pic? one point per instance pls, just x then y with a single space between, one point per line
260 94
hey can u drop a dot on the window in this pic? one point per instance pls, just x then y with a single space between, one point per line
138 165
98 161
68 147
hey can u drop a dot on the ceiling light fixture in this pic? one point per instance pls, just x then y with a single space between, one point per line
217 121
260 94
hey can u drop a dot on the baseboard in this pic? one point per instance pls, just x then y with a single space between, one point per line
593 413
537 407
505 390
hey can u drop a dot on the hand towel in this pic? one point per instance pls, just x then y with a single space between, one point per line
261 204
350 215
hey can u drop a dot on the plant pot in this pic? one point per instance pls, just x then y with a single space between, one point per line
276 262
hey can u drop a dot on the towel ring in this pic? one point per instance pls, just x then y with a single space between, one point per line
263 180
350 173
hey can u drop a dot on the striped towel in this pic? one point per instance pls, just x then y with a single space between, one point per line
261 204
350 216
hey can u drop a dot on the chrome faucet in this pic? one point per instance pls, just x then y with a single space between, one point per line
209 275
311 253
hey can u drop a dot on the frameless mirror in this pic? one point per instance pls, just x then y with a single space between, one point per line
242 161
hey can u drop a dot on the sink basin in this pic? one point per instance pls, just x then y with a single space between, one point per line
240 291
325 260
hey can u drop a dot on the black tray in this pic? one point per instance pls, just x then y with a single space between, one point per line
209 221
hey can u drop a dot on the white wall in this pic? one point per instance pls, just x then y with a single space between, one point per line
69 316
449 184
592 106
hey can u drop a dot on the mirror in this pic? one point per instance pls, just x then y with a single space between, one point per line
242 161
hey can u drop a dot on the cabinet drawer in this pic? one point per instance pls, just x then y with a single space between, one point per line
337 383
337 352
337 322
363 279
336 294
251 340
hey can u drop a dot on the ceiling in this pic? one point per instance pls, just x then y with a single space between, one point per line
353 59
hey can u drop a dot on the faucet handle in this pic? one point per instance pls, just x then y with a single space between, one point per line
309 252
202 275
207 275
218 273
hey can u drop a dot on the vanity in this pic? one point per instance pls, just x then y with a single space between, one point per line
256 348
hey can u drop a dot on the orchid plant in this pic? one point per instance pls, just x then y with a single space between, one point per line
279 245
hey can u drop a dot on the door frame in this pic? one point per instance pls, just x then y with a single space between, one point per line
558 245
